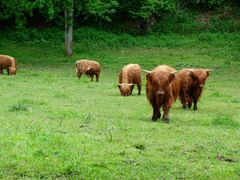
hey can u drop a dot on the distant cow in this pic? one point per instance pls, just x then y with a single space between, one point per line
128 77
8 63
192 82
88 67
162 90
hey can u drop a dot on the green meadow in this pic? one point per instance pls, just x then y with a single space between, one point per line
55 126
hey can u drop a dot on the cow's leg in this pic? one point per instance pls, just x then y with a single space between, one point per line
1 71
156 113
91 76
79 74
8 71
166 107
139 88
196 96
184 99
189 103
97 77
158 106
195 100
194 105
155 109
132 89
184 104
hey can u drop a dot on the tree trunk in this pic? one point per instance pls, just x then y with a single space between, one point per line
68 13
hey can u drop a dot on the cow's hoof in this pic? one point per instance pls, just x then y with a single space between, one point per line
166 119
158 115
154 118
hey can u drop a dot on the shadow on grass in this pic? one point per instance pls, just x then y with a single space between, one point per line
18 107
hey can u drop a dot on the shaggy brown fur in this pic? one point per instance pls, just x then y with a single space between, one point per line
162 90
164 68
8 63
192 82
88 67
128 77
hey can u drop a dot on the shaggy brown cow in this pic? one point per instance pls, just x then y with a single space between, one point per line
162 90
9 63
128 77
88 67
192 82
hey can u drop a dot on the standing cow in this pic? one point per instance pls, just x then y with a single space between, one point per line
8 63
128 77
162 90
192 82
88 67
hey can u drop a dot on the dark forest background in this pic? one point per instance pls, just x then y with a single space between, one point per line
138 17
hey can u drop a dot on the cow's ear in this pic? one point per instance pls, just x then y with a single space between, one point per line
208 71
192 74
89 68
148 76
172 76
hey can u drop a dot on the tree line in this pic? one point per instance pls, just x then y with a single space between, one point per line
140 13
21 13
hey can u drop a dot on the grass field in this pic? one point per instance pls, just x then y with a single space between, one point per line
56 126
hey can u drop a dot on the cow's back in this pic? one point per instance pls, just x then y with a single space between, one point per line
7 61
165 68
84 65
130 73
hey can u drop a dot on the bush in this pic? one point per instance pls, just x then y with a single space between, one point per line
34 35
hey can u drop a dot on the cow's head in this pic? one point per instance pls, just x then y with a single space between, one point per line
200 76
12 70
90 70
125 89
160 81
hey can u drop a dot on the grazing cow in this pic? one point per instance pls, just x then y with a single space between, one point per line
192 82
128 77
9 63
162 90
88 67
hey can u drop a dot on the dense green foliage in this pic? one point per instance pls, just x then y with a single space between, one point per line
141 15
54 126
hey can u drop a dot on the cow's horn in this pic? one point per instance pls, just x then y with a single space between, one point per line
190 70
88 68
174 72
130 84
208 70
146 71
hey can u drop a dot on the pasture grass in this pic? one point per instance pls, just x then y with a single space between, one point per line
58 127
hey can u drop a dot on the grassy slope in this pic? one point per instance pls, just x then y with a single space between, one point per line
54 125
